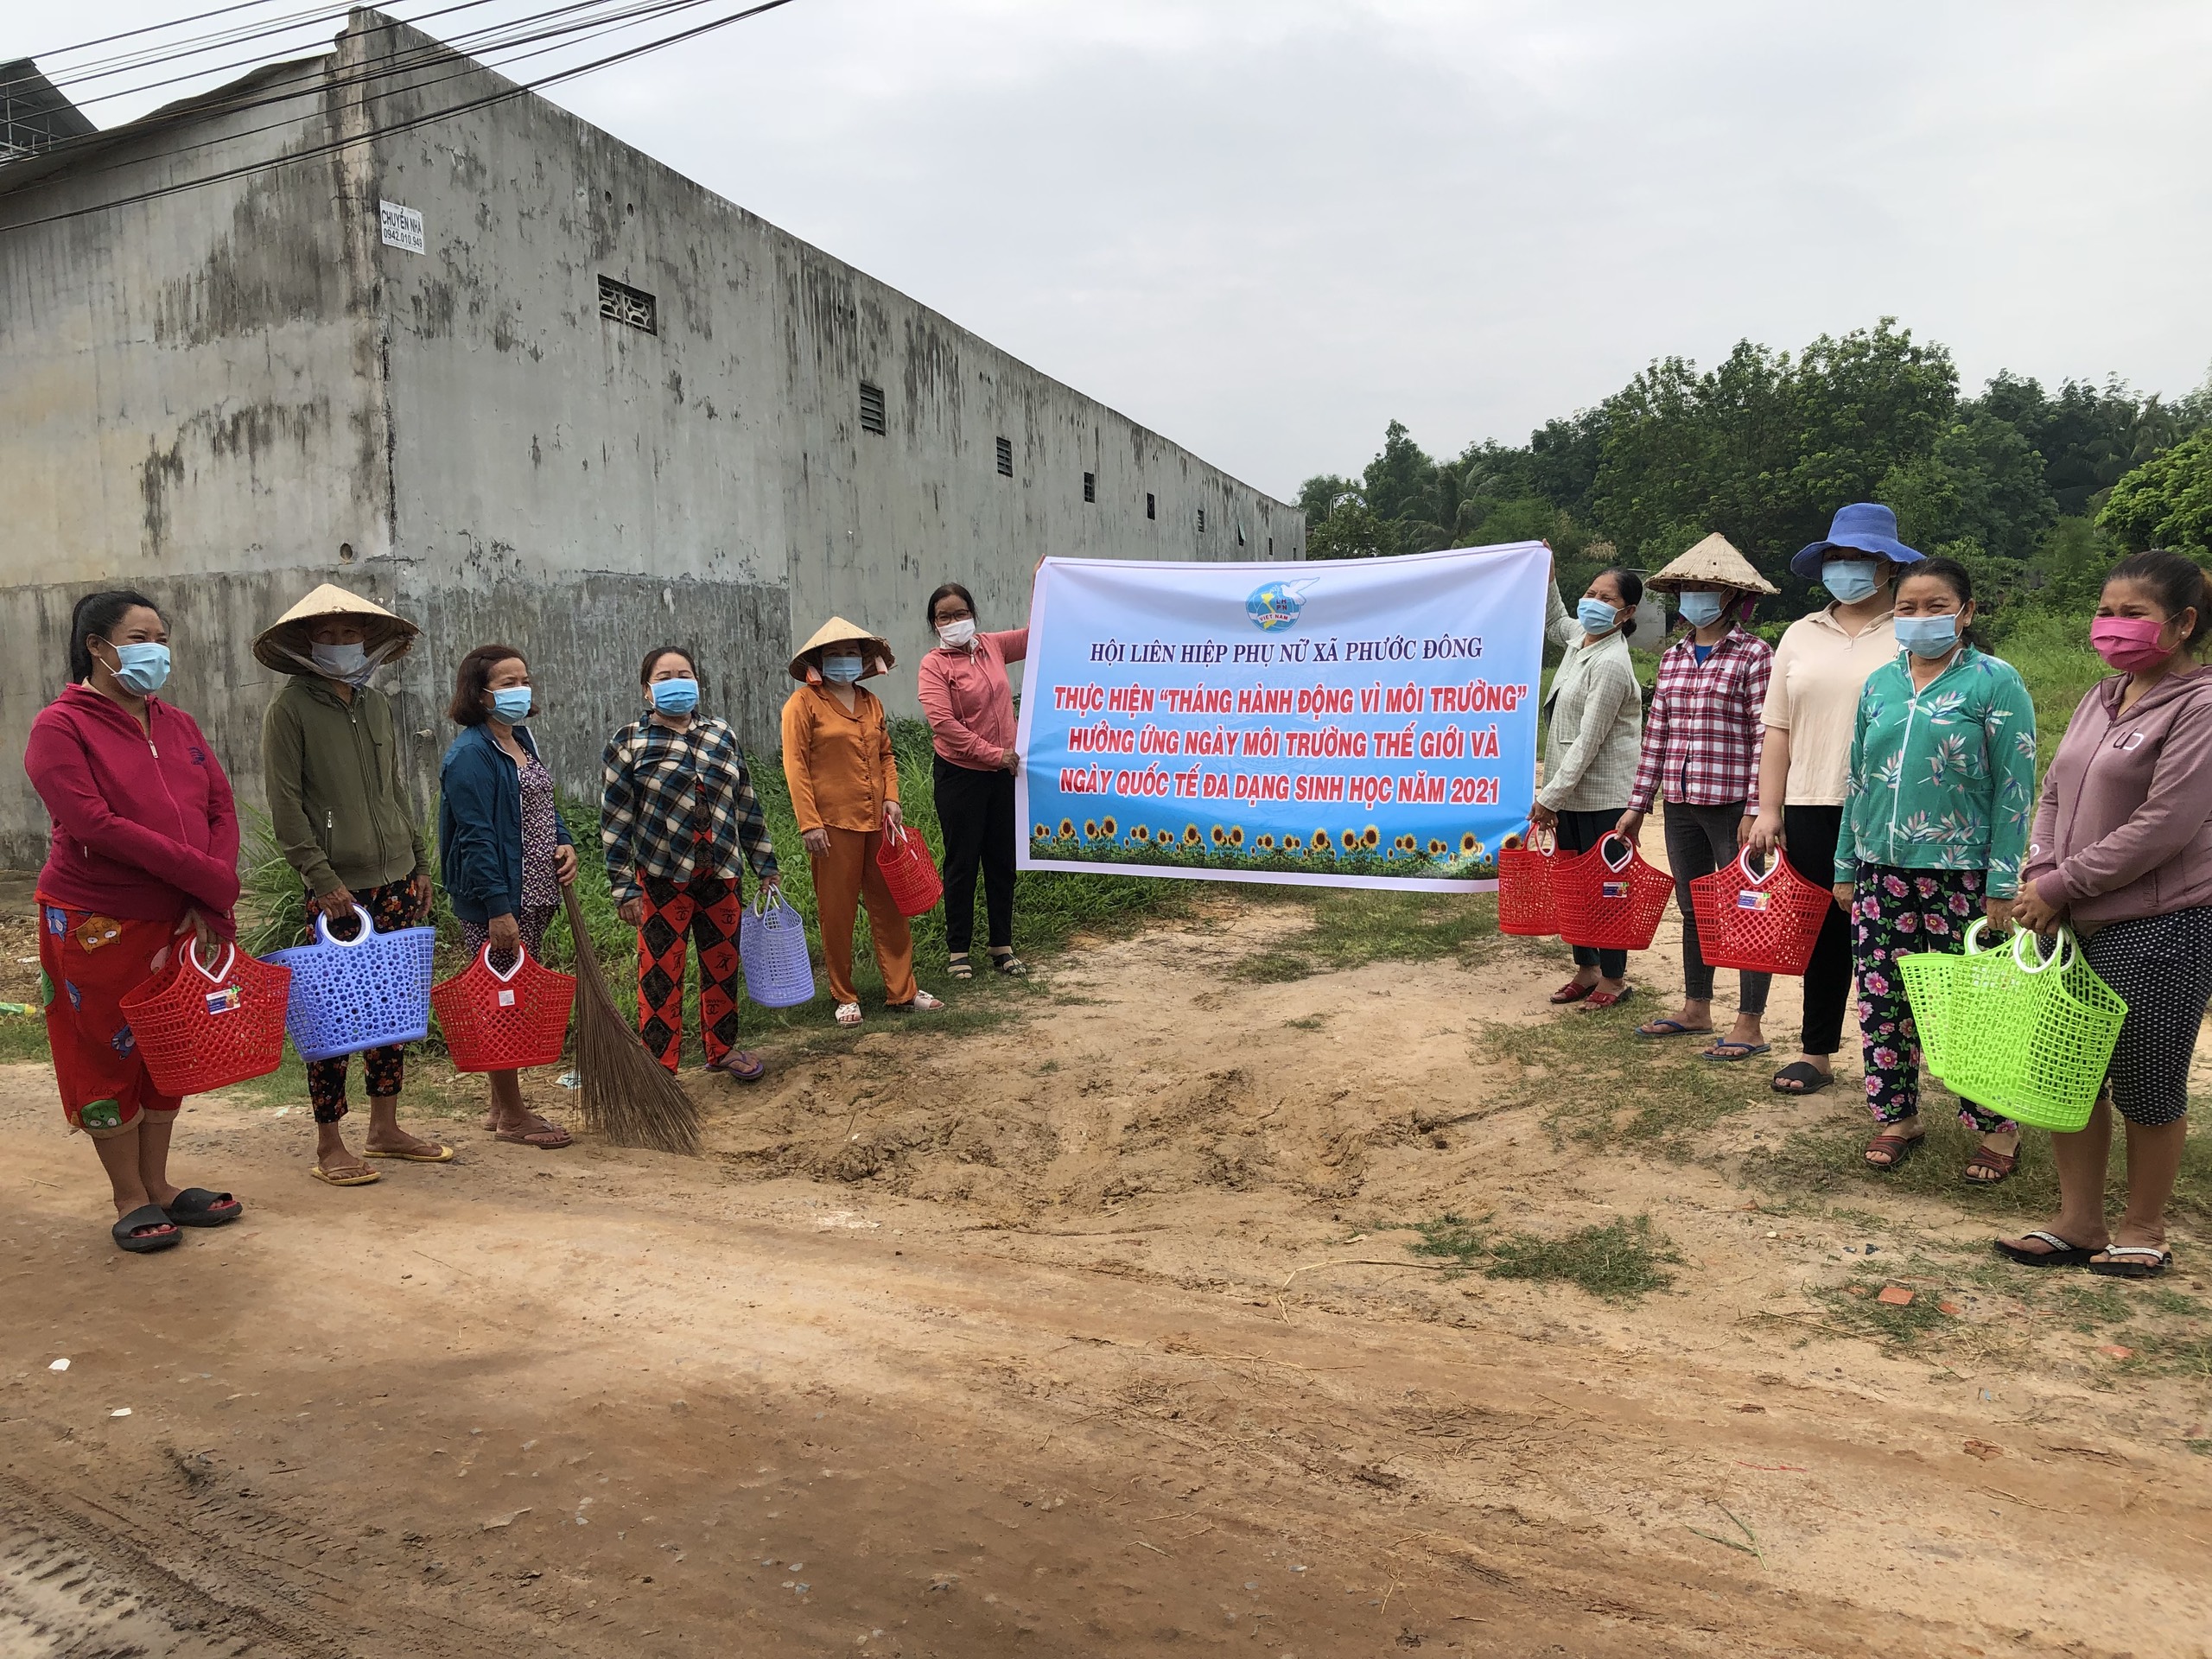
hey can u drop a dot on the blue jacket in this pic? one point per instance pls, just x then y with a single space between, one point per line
479 825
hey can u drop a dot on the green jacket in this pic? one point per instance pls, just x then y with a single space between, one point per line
1943 779
331 771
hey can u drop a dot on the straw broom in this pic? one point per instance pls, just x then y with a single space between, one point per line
628 1096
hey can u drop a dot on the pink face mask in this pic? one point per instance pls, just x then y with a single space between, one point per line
2129 642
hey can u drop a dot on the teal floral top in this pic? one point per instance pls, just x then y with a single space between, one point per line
1942 778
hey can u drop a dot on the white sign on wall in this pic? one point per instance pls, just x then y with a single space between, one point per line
402 226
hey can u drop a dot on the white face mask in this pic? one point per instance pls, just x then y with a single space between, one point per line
957 635
349 663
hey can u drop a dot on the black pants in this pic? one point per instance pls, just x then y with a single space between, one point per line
1700 839
976 811
1808 836
1577 833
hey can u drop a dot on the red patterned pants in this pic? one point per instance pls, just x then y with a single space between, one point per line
707 910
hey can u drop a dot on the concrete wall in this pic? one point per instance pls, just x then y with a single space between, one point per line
228 395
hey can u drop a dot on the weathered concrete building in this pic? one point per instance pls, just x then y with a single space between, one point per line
519 381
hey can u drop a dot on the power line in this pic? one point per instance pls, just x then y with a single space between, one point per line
314 80
156 29
467 107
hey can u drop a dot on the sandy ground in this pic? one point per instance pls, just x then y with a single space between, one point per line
1072 1336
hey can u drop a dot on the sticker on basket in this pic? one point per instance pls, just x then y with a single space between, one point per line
225 1000
1614 890
506 999
1750 899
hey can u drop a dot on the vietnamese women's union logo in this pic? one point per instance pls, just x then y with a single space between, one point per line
1275 605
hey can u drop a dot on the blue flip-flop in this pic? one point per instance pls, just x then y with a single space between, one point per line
1657 1028
1740 1052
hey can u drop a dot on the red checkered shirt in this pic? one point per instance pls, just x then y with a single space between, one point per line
1701 739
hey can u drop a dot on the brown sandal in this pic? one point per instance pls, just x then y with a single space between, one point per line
546 1137
1896 1149
1999 1163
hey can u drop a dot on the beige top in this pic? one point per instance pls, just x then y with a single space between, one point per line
1813 695
1596 730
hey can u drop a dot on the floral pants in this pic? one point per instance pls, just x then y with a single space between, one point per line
1896 913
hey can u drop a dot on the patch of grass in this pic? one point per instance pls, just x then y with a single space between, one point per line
1353 926
1619 1261
1623 1261
1602 1085
1309 1022
2166 1353
1827 1161
1856 1306
22 1038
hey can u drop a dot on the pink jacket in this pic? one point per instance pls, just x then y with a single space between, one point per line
144 825
968 701
2124 829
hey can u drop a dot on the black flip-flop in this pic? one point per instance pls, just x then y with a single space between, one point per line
1811 1076
146 1215
2060 1254
197 1207
2149 1264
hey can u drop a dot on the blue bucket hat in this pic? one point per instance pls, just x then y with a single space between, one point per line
1862 527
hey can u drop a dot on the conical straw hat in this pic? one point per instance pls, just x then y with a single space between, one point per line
877 657
285 646
1713 559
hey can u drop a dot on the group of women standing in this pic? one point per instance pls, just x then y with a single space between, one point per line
145 844
1887 757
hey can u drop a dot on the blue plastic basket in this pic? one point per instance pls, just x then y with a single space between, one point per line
371 991
772 946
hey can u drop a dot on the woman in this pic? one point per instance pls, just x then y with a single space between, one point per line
1812 699
2123 853
969 708
143 861
675 811
1942 780
844 783
1590 761
503 852
330 765
1701 746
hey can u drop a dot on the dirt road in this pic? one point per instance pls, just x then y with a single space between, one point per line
1085 1334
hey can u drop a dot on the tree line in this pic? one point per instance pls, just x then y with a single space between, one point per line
2035 492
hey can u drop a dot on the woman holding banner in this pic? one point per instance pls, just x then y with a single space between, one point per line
1589 758
969 706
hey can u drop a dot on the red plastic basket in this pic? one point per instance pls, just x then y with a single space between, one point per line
904 858
1762 924
1525 904
199 1029
1609 903
503 1022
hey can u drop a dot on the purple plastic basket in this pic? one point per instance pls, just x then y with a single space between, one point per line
371 991
772 948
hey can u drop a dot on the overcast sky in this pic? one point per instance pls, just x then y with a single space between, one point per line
1266 227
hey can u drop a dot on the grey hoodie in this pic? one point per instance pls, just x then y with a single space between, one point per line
2124 829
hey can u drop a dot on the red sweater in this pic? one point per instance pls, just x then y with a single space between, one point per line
142 826
968 700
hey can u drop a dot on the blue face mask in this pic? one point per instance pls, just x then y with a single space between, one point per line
1596 616
1850 580
1702 610
141 669
843 669
676 697
1928 636
511 703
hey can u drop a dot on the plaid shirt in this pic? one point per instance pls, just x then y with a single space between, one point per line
677 805
1701 739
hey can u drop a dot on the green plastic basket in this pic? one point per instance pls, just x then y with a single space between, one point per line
2032 1039
1929 976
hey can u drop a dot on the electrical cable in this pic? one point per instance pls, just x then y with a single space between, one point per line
156 29
314 81
467 107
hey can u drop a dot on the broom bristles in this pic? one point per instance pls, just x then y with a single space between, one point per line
628 1096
